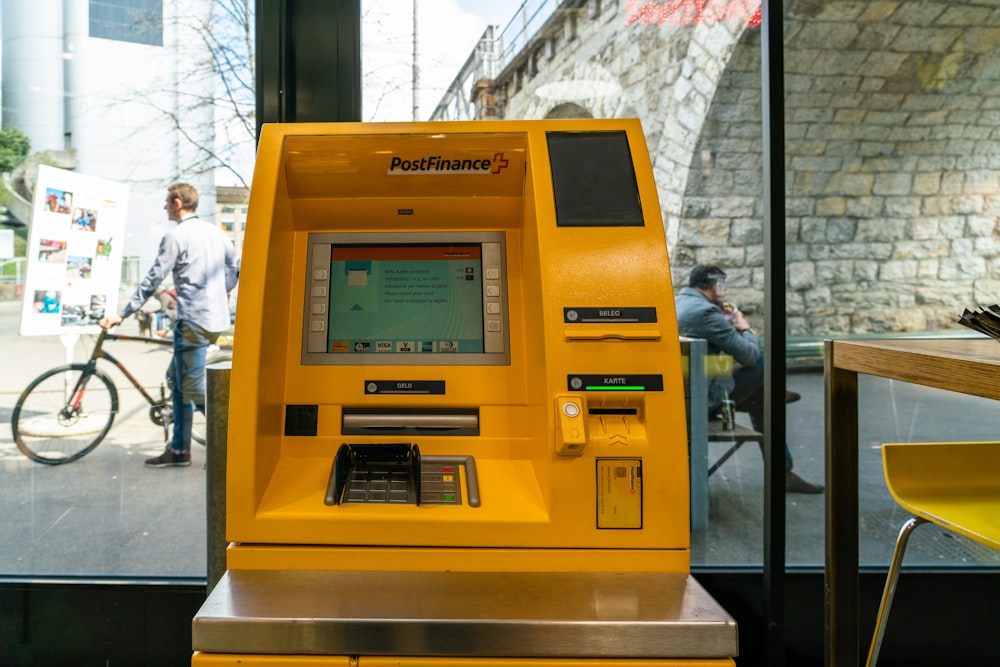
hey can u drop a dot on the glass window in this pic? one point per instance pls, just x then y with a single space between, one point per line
891 213
693 78
139 21
891 207
135 84
891 220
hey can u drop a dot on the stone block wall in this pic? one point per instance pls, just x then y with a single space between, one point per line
892 179
892 123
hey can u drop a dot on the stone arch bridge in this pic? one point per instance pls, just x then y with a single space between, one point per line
892 123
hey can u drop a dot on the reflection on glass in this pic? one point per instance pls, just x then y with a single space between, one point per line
140 93
891 209
891 182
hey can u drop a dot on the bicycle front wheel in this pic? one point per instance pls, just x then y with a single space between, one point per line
64 413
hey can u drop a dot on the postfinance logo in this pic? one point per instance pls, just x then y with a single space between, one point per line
439 164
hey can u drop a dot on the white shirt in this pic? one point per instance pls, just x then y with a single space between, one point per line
205 268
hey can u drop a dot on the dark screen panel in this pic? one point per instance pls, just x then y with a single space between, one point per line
593 180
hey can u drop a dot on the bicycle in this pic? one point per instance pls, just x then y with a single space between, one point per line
67 411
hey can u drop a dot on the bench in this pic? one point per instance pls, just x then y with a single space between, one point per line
698 367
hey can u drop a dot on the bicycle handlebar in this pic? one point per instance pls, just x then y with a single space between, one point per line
105 334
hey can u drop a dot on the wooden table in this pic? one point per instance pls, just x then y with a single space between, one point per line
966 365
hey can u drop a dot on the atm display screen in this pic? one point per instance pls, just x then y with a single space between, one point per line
428 299
406 299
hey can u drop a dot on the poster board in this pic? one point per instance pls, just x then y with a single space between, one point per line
74 254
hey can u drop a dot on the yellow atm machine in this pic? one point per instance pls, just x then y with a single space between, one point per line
456 426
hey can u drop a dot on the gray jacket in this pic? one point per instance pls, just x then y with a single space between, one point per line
697 317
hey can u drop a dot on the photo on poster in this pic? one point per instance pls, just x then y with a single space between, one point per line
52 251
85 313
84 220
97 304
103 249
79 267
47 301
74 315
58 201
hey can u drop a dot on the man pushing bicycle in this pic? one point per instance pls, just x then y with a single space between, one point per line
205 268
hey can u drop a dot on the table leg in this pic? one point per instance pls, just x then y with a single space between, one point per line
841 588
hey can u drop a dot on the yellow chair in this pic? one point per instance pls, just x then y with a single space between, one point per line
955 485
716 366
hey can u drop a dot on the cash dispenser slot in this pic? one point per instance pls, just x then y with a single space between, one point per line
381 421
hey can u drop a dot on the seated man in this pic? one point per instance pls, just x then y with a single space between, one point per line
703 313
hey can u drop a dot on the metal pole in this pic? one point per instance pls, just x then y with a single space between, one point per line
216 445
416 69
772 96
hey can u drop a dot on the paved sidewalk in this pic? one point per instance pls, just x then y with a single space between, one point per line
106 513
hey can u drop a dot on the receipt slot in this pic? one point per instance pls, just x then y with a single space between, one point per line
457 428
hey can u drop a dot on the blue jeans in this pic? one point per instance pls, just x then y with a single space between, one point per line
187 377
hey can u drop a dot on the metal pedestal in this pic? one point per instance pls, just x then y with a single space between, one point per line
500 614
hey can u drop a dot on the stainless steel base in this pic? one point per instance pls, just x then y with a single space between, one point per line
495 614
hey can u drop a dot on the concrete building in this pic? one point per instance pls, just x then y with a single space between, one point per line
231 212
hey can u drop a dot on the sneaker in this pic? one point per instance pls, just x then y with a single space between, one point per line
795 484
169 459
791 396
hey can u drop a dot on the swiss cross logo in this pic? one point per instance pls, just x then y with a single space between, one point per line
500 162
